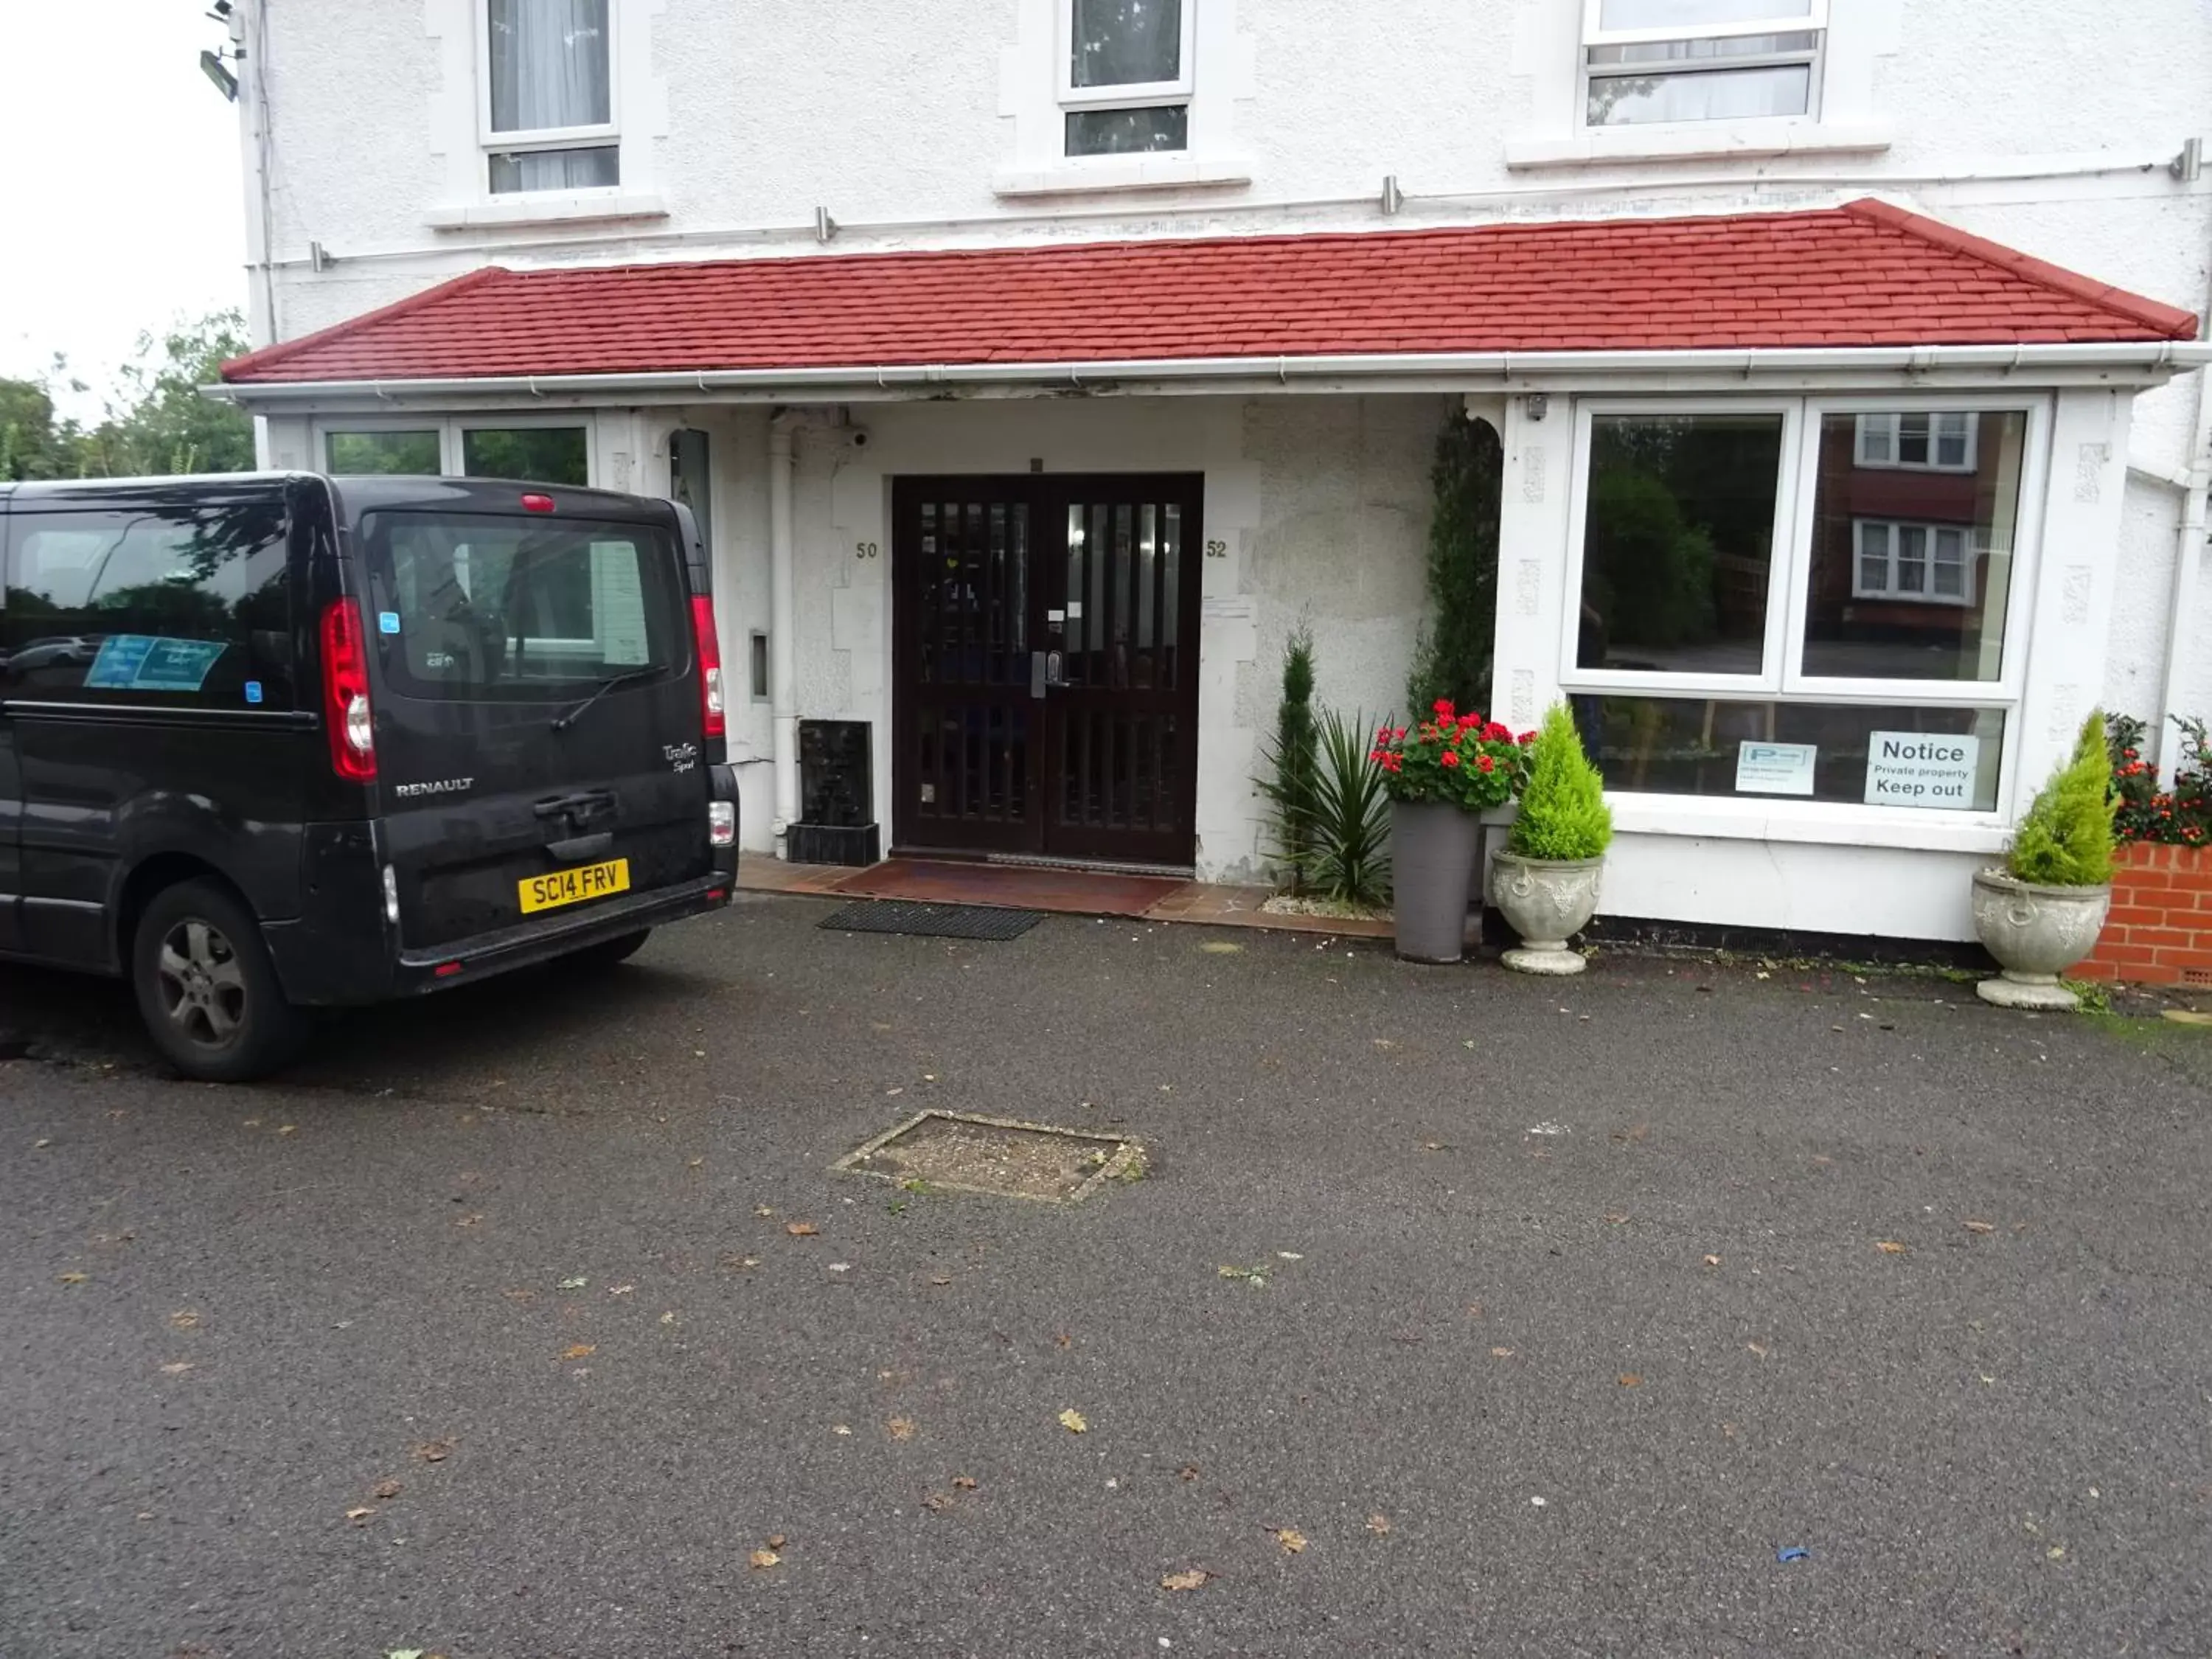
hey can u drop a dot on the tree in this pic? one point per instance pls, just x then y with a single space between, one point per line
32 444
159 424
1453 659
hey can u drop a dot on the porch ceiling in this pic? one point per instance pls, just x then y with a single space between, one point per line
1861 282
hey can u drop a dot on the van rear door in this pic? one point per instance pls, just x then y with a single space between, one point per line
539 722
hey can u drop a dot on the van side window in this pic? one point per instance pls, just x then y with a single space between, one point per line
178 601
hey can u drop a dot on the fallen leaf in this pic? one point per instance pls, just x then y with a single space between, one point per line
1288 1255
901 1428
2056 1552
288 1129
1712 1262
580 1350
574 1284
469 1221
404 1653
1185 1581
776 1541
1630 1380
38 1146
1073 1422
694 1164
737 1263
1616 1217
936 1502
963 1482
940 1279
70 1278
1379 1524
668 1318
763 1210
184 1319
620 1289
765 1558
386 1489
176 1368
1889 1246
359 1514
1758 1348
1188 1472
840 1428
434 1451
1981 1226
1501 1354
520 1295
801 1229
1063 1339
1290 1538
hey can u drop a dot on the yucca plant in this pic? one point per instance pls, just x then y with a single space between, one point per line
1348 829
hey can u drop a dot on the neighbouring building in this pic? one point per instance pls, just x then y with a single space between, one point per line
1038 365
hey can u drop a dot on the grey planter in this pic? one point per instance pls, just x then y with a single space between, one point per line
2036 933
1547 901
1433 854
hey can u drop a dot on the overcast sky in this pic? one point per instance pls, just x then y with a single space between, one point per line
124 209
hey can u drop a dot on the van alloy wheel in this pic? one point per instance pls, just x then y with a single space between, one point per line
203 985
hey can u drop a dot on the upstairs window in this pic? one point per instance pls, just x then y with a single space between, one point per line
1650 61
549 96
1126 80
1940 441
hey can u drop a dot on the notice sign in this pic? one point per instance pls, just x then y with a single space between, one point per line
1775 769
1914 768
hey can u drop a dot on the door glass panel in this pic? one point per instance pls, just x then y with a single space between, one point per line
1093 613
1170 592
1078 543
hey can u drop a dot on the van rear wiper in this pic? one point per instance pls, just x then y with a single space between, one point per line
562 722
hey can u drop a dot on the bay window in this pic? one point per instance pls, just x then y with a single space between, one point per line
1765 601
547 95
1126 79
1648 61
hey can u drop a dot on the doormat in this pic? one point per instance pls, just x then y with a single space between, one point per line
932 921
959 1153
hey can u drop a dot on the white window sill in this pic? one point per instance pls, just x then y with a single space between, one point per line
1087 175
1835 824
548 208
1701 140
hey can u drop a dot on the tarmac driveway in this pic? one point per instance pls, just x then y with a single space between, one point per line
1552 1313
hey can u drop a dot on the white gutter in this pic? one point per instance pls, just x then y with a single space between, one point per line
2149 360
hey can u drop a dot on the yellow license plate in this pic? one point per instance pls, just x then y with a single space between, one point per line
586 881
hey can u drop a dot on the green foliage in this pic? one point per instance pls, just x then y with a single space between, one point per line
1452 662
1562 811
1291 758
2067 838
1349 826
1645 563
157 425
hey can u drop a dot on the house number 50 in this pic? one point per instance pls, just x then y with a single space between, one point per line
1216 549
864 550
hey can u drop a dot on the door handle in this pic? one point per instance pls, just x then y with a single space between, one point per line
1054 669
1037 680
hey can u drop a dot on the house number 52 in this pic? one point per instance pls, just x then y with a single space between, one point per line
1216 549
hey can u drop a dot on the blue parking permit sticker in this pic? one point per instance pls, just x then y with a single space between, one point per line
387 622
254 690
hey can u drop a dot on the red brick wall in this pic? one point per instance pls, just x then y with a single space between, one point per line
2159 932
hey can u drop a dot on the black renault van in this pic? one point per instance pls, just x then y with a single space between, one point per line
278 742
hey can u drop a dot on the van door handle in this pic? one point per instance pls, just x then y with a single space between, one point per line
582 847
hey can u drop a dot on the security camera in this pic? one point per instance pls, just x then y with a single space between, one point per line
858 437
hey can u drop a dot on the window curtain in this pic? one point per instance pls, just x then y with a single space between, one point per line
1123 42
548 64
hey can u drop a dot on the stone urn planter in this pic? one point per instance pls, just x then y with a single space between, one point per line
1433 848
1547 901
2035 933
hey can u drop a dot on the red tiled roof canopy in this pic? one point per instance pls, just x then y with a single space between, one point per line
1866 274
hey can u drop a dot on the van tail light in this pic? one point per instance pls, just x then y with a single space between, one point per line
710 664
346 710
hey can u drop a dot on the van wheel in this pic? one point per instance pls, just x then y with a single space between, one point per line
206 989
608 953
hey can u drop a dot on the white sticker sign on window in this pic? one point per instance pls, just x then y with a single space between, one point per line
1919 768
1775 769
618 606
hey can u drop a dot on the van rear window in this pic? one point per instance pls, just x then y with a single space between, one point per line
467 608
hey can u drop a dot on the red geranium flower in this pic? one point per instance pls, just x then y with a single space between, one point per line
1450 757
1483 760
1443 708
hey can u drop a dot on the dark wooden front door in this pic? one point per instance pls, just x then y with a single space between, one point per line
1046 664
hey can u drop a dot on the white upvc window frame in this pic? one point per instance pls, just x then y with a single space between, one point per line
1128 94
1813 21
1895 461
530 140
1782 677
1970 551
449 428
